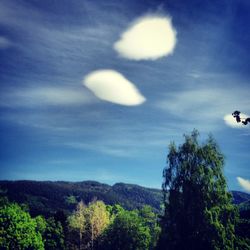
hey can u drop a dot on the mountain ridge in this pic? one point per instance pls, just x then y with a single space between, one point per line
47 197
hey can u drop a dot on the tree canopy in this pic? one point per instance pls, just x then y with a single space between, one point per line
17 229
198 210
127 232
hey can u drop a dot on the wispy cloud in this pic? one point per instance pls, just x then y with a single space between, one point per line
245 184
36 96
40 36
204 105
110 85
149 38
101 148
4 42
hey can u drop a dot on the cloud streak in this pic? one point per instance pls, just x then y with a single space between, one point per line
149 38
4 42
110 85
204 105
104 149
55 96
245 184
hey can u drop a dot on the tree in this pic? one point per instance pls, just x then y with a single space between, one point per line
150 219
40 224
127 232
97 218
17 229
198 210
77 220
53 235
114 210
90 221
243 228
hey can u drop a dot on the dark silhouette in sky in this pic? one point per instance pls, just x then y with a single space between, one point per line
247 120
236 115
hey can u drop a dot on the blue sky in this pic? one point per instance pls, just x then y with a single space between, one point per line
57 123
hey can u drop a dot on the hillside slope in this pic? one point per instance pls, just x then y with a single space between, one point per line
46 197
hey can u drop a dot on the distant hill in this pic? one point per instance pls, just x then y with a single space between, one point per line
46 197
240 197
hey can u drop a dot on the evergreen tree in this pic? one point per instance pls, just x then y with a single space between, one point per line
198 210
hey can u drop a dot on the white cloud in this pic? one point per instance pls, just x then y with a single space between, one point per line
4 43
231 121
245 184
149 38
111 86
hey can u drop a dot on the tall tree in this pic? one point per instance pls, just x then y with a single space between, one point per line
98 220
77 221
198 209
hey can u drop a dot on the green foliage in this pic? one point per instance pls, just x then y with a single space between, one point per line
198 209
112 227
40 224
114 210
17 229
242 243
243 231
127 232
71 200
53 235
150 219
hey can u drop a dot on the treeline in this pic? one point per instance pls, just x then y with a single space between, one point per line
94 226
97 226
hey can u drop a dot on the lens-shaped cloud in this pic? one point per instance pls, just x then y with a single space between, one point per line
245 184
111 86
149 38
231 121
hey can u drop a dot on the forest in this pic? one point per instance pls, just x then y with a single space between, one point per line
194 210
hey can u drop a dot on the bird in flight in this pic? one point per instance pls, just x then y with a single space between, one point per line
236 115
